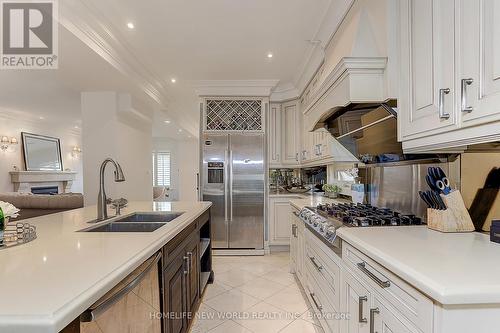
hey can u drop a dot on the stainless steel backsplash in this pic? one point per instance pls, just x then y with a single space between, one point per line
397 186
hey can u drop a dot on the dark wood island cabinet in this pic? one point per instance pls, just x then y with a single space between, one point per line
178 279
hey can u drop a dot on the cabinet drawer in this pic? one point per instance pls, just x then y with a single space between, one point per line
414 305
176 245
326 313
326 273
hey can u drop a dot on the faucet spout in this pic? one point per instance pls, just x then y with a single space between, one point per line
102 209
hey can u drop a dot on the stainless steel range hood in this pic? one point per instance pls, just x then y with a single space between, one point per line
369 132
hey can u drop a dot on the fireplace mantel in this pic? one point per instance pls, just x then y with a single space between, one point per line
24 180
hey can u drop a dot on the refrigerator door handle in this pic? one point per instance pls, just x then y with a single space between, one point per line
231 184
226 183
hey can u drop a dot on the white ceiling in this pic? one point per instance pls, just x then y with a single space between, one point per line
54 95
195 41
217 39
190 40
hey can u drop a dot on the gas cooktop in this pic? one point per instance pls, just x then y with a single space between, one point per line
325 219
365 215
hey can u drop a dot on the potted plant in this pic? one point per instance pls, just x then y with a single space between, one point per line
7 211
331 190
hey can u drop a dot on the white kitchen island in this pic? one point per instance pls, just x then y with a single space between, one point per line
401 279
47 283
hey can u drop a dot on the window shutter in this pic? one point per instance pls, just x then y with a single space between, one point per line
161 168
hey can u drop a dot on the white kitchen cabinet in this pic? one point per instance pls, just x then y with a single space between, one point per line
279 221
274 134
455 45
427 95
294 245
356 300
480 61
290 133
387 320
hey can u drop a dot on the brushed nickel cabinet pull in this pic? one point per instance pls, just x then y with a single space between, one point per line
186 265
465 83
442 114
360 312
372 319
318 305
313 260
190 256
382 284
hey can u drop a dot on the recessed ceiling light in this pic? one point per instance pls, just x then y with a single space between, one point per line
41 118
167 121
173 80
269 55
130 25
180 130
76 127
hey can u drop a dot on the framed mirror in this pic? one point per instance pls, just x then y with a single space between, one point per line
41 153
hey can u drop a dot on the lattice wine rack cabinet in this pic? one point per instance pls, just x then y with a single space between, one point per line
233 115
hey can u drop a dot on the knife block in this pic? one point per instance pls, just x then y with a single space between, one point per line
455 218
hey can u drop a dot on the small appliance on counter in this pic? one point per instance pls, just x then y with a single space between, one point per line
495 231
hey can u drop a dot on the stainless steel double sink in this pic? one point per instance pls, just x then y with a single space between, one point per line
136 222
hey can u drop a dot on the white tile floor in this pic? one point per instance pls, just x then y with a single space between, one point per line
254 294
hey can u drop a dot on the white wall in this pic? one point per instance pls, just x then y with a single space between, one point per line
13 123
110 130
184 159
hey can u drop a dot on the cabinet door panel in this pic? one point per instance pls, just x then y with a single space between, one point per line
280 223
428 65
174 296
290 133
274 134
480 59
193 277
353 292
387 320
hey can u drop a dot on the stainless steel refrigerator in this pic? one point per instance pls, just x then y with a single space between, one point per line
233 180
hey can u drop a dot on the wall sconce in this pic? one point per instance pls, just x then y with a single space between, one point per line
6 142
76 152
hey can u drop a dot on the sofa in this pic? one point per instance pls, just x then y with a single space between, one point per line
32 205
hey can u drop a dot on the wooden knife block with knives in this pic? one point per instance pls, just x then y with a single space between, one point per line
447 211
455 218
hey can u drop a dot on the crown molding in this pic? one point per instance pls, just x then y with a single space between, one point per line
88 25
284 93
234 87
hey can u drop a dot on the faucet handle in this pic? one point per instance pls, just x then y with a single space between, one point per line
117 210
118 204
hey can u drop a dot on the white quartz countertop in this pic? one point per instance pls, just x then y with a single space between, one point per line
451 268
50 281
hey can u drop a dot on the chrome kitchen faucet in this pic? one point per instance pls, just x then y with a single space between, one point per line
102 210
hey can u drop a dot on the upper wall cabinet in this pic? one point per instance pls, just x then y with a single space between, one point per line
428 67
274 134
480 61
450 73
284 134
290 132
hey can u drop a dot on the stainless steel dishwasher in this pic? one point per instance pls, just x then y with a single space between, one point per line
131 306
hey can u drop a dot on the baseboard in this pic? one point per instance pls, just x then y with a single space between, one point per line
279 248
231 252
